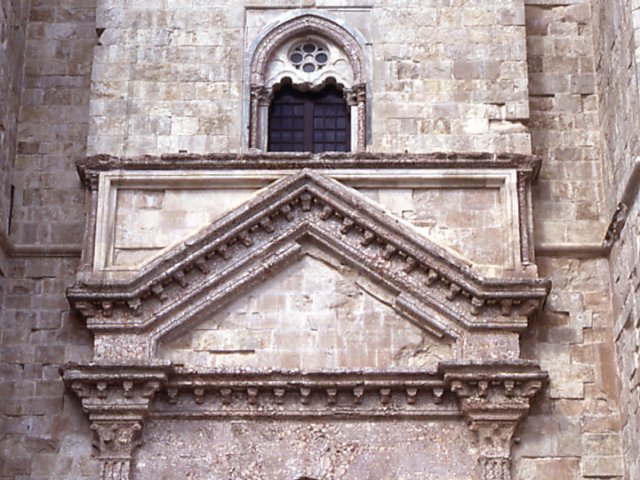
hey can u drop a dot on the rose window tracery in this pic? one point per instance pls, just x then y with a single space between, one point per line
309 56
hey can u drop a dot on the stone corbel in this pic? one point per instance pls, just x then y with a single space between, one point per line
494 398
117 400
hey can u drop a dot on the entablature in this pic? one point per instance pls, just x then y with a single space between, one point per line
455 390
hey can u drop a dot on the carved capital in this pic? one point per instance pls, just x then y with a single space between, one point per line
494 438
115 441
355 94
261 94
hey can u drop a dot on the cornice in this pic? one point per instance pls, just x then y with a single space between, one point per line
89 167
482 392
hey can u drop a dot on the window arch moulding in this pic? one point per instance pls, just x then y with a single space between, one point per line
269 64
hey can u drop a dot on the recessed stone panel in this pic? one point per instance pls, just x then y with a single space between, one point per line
473 214
470 221
147 221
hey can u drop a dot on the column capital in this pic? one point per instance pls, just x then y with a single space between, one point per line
117 400
494 397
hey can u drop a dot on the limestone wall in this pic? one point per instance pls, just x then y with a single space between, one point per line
53 122
618 86
13 26
569 197
574 431
171 79
618 64
44 434
572 339
625 261
44 431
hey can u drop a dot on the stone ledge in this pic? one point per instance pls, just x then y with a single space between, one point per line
90 166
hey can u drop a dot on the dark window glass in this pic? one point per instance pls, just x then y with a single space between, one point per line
309 122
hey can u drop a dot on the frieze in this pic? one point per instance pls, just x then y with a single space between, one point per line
295 394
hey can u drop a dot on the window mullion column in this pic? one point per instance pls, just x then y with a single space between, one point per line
308 124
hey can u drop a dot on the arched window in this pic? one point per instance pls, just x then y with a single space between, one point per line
308 87
309 121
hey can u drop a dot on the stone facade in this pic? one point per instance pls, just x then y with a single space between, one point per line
457 298
617 64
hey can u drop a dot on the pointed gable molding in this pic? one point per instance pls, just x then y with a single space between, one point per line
265 235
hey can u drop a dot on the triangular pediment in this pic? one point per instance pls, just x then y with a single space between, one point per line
267 233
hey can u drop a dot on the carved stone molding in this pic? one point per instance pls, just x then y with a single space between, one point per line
89 167
296 394
115 441
304 25
264 235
